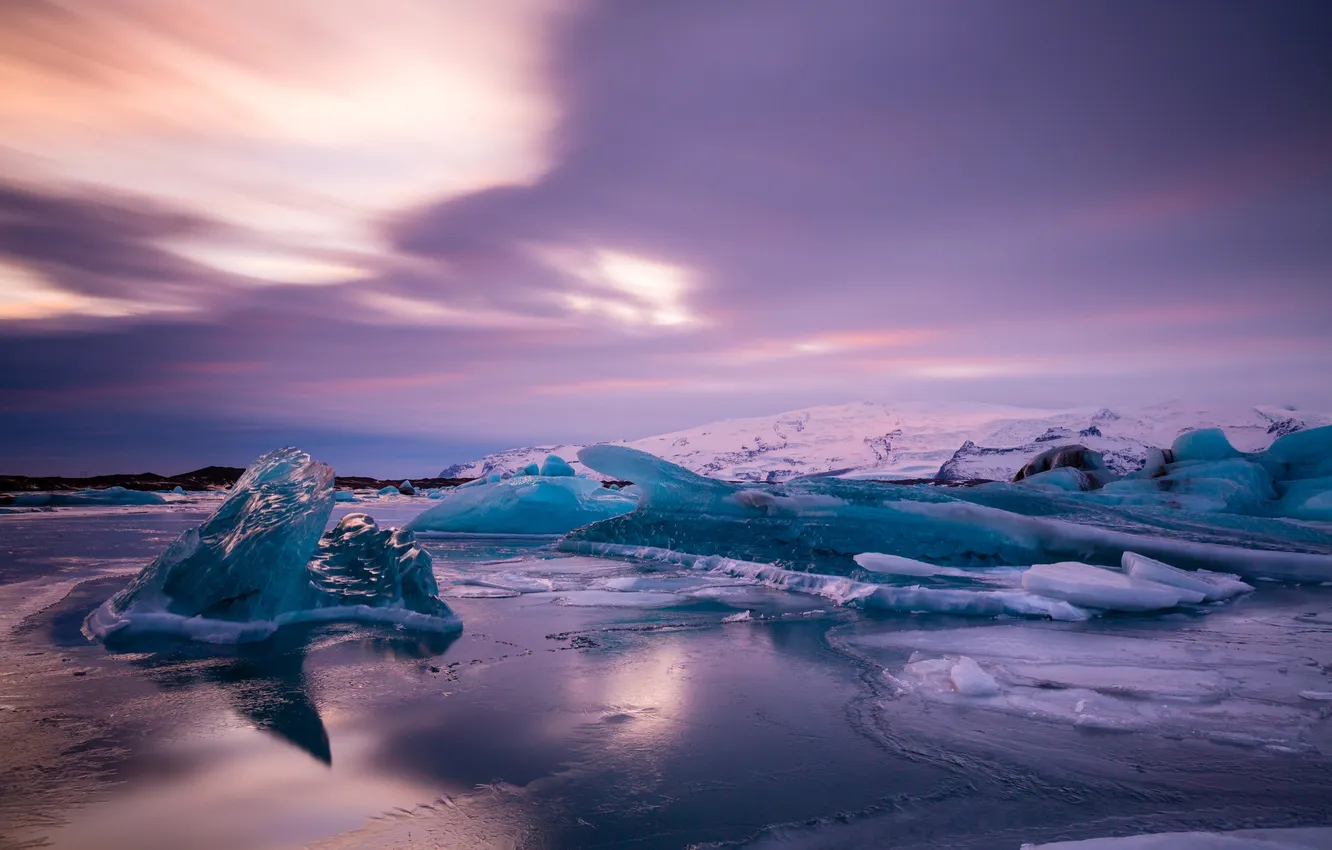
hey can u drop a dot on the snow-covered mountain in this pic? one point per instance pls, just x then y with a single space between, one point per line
955 442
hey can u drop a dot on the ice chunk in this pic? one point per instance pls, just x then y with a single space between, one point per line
970 680
344 496
848 592
877 562
388 491
826 522
1066 478
178 490
1212 586
1203 444
531 469
1093 587
1303 454
1225 681
1086 468
358 563
259 562
555 467
524 505
406 488
107 496
1302 838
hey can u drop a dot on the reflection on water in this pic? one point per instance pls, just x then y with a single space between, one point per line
265 682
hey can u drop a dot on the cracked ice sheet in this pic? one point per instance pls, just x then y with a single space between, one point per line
1229 679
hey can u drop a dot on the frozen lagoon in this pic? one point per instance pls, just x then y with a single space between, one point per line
596 701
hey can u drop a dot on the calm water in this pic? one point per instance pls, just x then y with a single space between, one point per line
579 717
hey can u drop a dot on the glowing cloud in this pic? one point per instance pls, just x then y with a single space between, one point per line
295 121
630 289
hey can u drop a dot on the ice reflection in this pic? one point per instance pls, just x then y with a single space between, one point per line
265 683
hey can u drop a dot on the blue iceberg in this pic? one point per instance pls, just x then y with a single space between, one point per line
524 504
822 524
262 561
79 498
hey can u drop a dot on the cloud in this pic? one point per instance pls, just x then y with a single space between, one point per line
622 218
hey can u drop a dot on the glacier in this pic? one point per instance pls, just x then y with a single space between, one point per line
554 501
262 560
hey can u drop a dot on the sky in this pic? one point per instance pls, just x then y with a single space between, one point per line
402 233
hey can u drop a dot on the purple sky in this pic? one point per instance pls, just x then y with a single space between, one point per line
402 233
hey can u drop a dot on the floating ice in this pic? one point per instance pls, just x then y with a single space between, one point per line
259 562
824 523
523 505
1094 587
848 592
344 496
406 488
178 490
108 496
959 673
1222 680
896 565
1212 586
1203 444
388 491
1307 838
555 467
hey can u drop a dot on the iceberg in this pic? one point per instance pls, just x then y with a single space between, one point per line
261 561
344 496
556 467
107 496
388 491
524 504
822 524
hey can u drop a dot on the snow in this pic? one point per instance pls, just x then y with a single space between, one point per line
260 562
1308 838
872 440
1093 587
523 504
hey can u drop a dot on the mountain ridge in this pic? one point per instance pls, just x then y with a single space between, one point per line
952 442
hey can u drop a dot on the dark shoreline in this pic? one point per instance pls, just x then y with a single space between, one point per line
207 478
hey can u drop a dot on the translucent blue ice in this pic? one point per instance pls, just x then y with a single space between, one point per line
821 524
108 496
524 504
259 562
555 467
